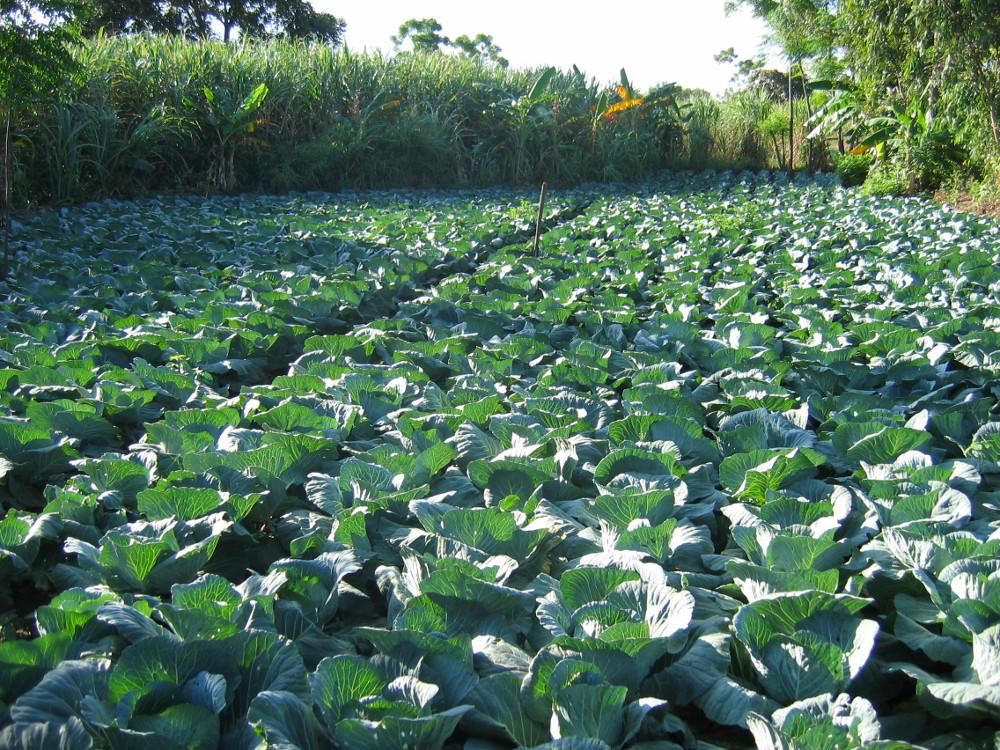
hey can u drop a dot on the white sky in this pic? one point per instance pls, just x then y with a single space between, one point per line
656 41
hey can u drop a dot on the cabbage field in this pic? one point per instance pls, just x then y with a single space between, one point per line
719 467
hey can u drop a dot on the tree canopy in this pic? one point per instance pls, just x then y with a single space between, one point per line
36 61
424 34
804 30
205 18
939 55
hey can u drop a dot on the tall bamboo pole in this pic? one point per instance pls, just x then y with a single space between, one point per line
791 110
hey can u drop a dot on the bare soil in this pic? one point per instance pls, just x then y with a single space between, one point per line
968 204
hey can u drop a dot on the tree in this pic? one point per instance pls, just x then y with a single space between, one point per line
804 30
425 36
321 27
292 18
940 54
482 47
424 33
744 67
36 61
201 18
127 16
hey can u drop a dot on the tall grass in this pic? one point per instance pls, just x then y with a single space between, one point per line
140 122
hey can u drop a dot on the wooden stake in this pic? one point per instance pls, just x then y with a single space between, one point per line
538 221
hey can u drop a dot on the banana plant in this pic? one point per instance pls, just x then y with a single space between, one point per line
231 122
908 135
843 110
612 104
908 129
608 109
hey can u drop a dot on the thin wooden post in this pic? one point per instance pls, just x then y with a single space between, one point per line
791 121
8 168
538 220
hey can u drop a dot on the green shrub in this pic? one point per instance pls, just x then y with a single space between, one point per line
852 169
884 179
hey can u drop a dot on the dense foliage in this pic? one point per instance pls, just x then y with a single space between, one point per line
913 85
718 467
332 119
917 80
34 37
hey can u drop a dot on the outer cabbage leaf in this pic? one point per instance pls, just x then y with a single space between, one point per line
875 442
399 733
499 710
286 722
47 736
803 644
820 723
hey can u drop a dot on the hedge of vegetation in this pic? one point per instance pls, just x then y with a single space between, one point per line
163 113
